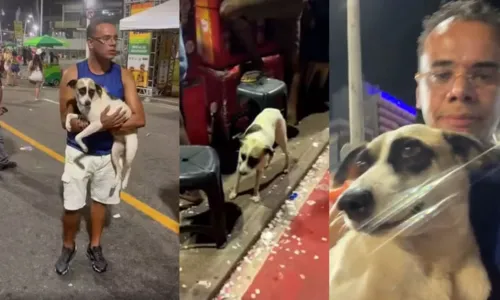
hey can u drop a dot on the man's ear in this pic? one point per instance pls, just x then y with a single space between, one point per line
72 83
469 149
347 169
98 90
417 97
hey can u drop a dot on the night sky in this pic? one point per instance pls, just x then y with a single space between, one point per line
389 32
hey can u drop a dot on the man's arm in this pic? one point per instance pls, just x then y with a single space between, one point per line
138 119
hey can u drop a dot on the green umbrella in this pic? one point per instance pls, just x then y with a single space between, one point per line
9 44
44 41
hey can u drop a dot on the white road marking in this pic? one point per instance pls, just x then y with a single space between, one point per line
51 101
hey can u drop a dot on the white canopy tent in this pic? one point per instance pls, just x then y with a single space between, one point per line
163 16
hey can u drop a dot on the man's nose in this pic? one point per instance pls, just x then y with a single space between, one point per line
461 90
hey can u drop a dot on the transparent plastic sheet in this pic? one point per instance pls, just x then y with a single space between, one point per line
398 275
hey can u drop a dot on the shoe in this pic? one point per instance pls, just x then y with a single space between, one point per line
99 263
8 165
62 264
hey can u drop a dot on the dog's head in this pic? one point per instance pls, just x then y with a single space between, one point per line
86 90
252 150
405 172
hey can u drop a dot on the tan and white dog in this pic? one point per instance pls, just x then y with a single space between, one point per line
407 213
256 151
92 100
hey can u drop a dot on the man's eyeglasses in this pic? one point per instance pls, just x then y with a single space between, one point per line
447 77
107 39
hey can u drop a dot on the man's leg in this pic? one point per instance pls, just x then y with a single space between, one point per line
97 219
75 182
5 163
288 37
103 192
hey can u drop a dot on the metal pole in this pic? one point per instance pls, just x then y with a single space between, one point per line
356 89
87 5
41 17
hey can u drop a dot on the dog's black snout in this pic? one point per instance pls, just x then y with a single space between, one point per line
358 204
87 102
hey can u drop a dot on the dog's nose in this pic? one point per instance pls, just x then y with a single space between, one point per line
358 204
87 102
243 173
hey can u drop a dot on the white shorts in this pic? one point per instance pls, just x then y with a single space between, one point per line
98 169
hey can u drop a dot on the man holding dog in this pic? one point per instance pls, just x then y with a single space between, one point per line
94 166
458 89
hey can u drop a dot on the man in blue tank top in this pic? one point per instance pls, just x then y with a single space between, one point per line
459 89
95 166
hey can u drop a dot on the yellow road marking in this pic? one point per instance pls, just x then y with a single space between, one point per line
129 199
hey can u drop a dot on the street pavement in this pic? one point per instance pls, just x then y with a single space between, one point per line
140 241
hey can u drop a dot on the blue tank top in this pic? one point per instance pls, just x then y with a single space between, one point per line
99 143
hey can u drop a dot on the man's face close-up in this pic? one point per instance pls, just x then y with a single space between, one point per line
104 41
458 78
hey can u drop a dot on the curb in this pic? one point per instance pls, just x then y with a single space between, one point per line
168 101
298 172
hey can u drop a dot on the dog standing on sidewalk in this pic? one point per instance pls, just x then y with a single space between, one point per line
92 100
256 151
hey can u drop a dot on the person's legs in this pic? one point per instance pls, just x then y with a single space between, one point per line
288 38
37 90
5 163
75 180
104 191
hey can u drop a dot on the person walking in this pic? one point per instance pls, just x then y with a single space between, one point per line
35 69
95 165
5 162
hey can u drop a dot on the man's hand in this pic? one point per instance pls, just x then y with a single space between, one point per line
114 120
78 125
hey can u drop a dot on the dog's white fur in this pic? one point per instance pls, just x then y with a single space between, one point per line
268 127
124 145
436 259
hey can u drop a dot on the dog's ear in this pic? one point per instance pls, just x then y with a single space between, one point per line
469 149
72 83
240 136
253 128
98 90
348 169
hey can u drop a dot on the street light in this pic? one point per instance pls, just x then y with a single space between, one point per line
89 4
1 30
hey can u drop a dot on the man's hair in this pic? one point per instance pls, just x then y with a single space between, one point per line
92 28
464 10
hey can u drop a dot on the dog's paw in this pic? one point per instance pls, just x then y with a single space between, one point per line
68 126
233 195
285 171
255 198
85 149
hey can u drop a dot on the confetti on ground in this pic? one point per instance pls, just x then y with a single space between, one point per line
117 216
281 237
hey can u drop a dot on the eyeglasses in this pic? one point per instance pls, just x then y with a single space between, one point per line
107 39
445 78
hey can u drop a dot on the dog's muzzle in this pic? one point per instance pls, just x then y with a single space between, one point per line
87 103
358 204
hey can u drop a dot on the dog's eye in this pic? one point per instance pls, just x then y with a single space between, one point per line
362 164
411 150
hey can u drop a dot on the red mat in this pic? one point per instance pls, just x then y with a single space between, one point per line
299 270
